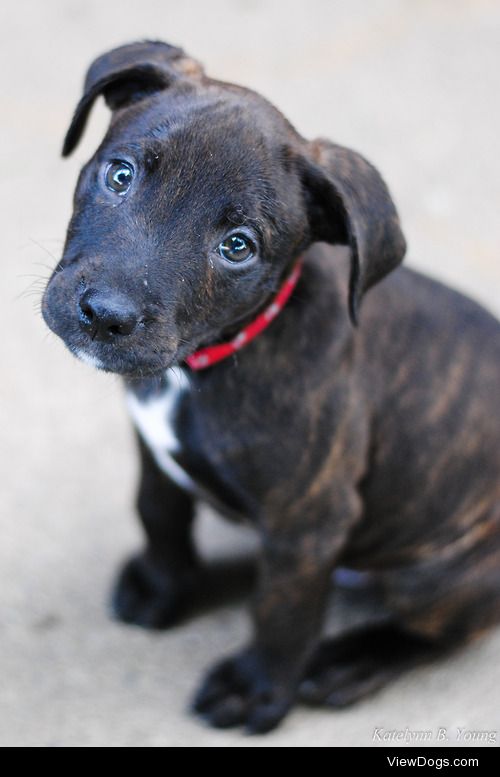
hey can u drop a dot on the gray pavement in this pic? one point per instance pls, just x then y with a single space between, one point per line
414 86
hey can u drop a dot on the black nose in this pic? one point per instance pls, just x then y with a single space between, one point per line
106 315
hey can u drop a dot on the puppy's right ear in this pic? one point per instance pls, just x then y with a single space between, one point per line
349 204
128 74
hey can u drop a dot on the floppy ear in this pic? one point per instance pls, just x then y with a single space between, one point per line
349 203
127 74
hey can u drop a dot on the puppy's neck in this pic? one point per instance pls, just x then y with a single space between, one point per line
232 331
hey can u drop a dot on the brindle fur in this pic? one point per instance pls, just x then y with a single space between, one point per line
374 447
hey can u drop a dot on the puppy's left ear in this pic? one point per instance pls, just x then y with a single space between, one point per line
349 203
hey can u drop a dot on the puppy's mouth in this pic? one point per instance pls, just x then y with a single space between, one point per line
131 360
128 364
147 352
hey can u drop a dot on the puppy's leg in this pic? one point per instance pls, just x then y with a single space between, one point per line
437 608
256 687
154 586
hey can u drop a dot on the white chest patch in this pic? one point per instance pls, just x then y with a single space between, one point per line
153 418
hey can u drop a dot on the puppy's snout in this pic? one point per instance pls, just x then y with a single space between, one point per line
107 315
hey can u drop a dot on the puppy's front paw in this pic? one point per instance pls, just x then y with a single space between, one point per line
238 692
147 595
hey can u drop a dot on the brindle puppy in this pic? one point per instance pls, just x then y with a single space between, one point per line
375 447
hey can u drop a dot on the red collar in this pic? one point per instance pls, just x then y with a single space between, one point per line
205 357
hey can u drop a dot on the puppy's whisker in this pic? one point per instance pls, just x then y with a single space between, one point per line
38 277
48 267
35 288
43 248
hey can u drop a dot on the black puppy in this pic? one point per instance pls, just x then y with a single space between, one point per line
203 220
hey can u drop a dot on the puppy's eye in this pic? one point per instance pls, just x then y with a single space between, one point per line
236 248
118 176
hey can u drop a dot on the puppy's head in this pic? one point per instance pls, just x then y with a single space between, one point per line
191 211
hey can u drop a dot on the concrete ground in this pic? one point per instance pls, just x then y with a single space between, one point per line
414 86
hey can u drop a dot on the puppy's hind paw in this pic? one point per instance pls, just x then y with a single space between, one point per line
354 666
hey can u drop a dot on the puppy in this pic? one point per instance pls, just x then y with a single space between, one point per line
205 262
